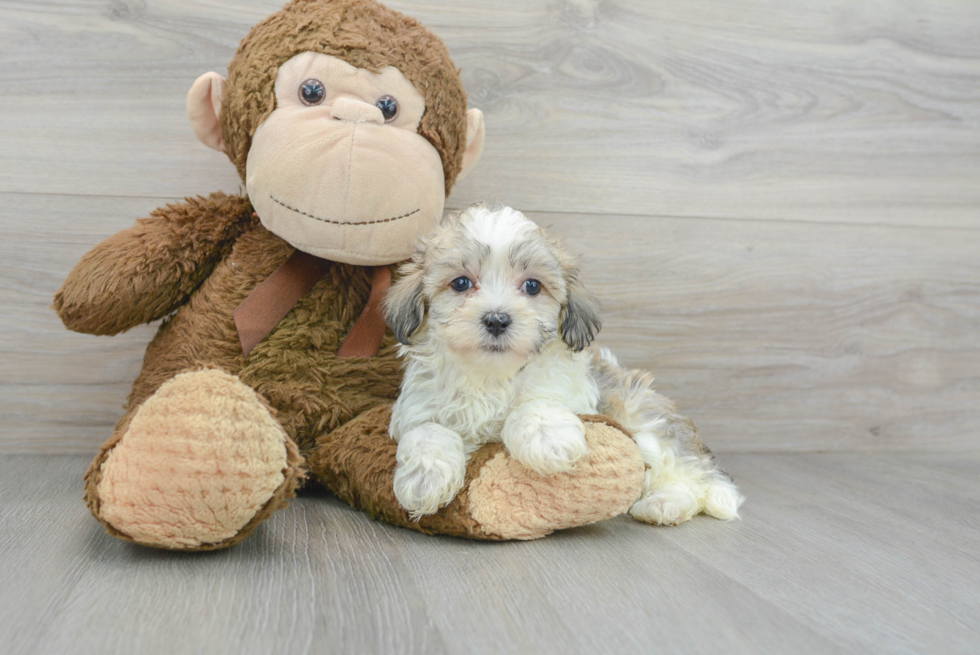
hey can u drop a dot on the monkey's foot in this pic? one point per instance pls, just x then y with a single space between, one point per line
199 466
509 500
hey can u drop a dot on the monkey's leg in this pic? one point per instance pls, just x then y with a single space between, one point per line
501 499
197 466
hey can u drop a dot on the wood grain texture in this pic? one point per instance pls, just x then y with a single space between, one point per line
842 320
777 202
843 553
773 336
763 109
794 336
58 390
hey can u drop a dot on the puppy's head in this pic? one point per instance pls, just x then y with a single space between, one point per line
491 285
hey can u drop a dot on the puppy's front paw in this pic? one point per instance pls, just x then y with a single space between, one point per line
431 469
545 439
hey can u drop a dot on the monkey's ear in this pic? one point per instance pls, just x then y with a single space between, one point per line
579 315
474 142
204 108
404 306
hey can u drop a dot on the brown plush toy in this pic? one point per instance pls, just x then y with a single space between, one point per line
348 123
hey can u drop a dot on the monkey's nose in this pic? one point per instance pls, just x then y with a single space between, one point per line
496 323
356 111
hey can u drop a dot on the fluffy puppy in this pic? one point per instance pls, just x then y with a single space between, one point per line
495 328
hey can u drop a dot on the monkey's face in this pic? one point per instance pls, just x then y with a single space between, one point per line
338 169
348 148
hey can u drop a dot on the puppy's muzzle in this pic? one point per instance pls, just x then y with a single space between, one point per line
496 323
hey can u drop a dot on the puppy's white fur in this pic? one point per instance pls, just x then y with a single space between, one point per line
466 384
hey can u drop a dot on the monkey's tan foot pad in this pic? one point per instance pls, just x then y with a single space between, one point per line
501 499
513 502
201 464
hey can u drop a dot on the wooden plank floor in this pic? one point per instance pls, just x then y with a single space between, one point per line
836 553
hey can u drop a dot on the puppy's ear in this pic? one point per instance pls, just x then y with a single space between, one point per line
404 306
579 315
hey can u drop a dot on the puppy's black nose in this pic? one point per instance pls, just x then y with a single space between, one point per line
496 323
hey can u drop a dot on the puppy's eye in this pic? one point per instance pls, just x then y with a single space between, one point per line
461 284
532 287
312 92
388 107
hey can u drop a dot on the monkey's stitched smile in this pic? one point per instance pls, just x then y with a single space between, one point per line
327 220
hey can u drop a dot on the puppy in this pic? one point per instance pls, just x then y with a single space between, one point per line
495 328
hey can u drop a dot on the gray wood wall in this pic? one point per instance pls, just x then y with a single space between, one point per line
778 201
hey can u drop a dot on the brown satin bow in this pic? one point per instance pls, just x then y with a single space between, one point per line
259 314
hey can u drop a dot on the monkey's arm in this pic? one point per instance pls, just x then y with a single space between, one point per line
143 273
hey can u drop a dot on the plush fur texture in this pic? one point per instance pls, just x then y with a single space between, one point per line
155 526
223 460
192 263
144 272
295 369
365 34
522 504
331 409
335 179
500 499
494 321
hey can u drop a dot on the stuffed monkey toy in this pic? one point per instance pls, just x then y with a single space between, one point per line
273 368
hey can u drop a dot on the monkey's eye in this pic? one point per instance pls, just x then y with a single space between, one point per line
312 92
532 287
461 284
388 107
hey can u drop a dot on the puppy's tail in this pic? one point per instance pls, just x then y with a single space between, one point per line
679 462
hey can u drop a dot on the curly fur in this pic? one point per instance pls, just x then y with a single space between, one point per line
468 383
